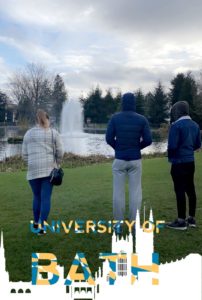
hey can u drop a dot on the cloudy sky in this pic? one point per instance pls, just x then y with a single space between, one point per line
121 44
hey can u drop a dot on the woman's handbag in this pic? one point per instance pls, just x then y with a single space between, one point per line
56 174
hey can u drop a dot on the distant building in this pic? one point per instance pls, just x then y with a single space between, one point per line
8 113
11 111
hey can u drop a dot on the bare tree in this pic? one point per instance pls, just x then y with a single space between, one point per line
32 89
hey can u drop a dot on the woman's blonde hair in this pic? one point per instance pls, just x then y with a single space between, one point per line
42 118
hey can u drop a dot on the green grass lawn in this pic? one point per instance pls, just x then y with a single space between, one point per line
86 194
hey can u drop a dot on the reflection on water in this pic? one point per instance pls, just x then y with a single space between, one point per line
7 150
81 144
87 144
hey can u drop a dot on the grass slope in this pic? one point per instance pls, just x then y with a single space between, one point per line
86 194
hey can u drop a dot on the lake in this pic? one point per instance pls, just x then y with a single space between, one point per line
81 144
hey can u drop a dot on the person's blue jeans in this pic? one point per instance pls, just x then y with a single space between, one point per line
42 190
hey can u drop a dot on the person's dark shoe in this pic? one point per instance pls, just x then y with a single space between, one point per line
191 222
178 224
36 226
41 232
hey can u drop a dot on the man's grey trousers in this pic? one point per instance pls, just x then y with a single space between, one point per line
121 170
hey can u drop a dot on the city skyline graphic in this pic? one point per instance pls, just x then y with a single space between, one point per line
126 274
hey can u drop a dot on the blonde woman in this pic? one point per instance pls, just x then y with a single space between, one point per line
38 151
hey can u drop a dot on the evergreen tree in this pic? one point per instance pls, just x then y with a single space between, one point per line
117 100
3 101
45 101
189 91
147 100
184 88
140 102
158 106
100 109
59 96
93 106
110 106
177 84
197 111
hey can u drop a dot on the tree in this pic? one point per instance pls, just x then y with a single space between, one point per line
117 100
45 100
32 89
140 102
99 109
25 111
189 91
93 106
177 84
197 111
59 96
184 88
158 106
147 100
109 107
3 102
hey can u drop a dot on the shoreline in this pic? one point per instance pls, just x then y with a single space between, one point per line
70 160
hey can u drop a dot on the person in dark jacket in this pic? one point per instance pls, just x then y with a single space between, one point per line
127 133
184 139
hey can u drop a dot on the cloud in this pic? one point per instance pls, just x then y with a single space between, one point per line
5 72
47 13
151 18
126 16
118 43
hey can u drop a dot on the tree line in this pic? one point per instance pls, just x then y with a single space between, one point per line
35 87
155 105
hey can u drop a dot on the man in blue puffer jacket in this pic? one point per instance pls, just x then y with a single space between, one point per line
127 133
184 139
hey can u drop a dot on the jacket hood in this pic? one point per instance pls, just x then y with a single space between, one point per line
128 102
179 109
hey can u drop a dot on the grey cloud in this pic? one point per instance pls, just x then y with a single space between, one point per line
174 19
132 15
155 16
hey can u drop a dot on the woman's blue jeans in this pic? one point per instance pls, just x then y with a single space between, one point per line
42 190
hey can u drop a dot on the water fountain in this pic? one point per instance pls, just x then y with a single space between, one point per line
72 118
71 127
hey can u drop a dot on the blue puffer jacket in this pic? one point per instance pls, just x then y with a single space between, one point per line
184 139
128 132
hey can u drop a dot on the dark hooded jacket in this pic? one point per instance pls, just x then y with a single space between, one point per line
127 131
184 135
179 109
